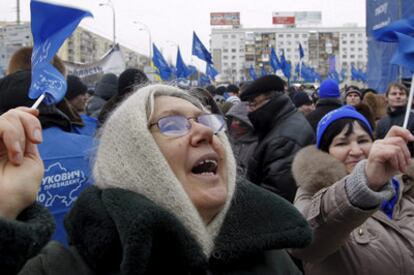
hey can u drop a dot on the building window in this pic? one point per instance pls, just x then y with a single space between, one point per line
233 64
233 57
233 50
344 56
288 35
296 35
225 57
225 64
352 49
352 35
225 36
344 42
225 50
360 56
304 35
280 35
352 56
233 36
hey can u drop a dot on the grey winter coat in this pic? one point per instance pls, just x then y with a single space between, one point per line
346 238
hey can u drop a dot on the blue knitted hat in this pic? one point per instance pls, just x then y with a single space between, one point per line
329 89
340 113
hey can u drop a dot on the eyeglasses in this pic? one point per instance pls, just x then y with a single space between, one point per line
177 125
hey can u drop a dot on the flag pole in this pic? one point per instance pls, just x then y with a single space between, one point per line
409 104
38 101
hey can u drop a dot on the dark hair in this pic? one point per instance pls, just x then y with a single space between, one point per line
336 127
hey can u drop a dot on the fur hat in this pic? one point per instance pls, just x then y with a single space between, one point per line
340 113
107 86
329 89
75 87
301 98
263 85
129 158
128 79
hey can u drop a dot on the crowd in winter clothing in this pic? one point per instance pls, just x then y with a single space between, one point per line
248 178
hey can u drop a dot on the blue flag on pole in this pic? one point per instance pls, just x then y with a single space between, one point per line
252 73
164 68
200 51
274 61
263 71
203 80
211 71
389 32
182 70
51 24
405 53
301 53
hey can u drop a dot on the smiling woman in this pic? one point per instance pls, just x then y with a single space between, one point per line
166 200
358 196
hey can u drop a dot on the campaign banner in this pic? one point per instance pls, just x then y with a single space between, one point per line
111 62
379 70
225 18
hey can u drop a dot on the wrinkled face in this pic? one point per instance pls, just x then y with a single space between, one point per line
352 148
197 158
396 98
307 108
353 99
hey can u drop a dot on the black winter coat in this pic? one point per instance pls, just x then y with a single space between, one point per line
393 118
115 231
323 106
282 131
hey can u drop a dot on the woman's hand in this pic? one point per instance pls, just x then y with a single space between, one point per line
388 156
21 169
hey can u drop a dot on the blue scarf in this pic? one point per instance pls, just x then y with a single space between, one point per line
388 205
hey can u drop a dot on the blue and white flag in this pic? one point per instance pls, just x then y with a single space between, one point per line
182 70
163 68
389 32
211 71
252 73
51 24
405 53
200 51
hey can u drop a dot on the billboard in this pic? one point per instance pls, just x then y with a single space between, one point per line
225 18
283 18
297 18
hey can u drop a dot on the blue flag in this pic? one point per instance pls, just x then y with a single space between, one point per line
405 53
389 32
252 73
301 53
285 66
263 71
274 61
182 70
211 71
51 24
200 51
203 80
163 68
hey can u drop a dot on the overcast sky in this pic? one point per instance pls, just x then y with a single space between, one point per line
173 21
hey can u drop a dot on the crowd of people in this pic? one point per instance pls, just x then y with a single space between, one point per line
133 177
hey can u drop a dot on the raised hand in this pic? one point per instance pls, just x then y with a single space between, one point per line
388 157
21 169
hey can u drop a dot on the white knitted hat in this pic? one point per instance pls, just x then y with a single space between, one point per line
128 157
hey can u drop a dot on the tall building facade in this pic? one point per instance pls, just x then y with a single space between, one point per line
236 49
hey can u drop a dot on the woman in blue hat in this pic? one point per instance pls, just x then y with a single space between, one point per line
358 198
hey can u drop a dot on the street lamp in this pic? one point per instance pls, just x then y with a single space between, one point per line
145 28
111 5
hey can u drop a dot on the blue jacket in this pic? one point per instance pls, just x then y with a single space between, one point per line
67 172
91 124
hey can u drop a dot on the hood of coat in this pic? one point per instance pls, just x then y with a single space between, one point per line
314 170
